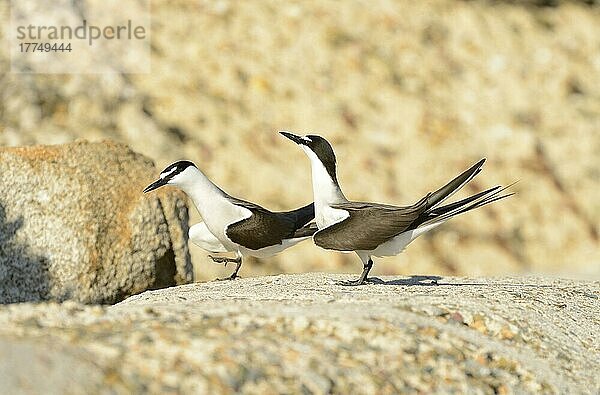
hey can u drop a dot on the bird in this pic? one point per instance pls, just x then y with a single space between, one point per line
375 229
234 225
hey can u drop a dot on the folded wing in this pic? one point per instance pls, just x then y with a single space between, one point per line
368 225
265 228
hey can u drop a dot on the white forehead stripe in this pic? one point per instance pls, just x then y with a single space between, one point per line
163 175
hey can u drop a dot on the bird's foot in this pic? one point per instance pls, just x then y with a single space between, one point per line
360 281
222 259
219 259
351 283
228 278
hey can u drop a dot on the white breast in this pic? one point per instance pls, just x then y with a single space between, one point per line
217 211
218 215
326 216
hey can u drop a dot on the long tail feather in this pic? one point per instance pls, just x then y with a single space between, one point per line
473 206
452 206
453 186
480 199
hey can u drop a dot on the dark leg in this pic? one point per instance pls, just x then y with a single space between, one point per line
363 276
366 269
238 264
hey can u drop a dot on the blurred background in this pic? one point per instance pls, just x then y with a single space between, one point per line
410 93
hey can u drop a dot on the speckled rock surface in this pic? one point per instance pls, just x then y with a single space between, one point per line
305 333
74 224
409 92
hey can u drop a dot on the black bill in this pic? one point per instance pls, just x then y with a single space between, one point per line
156 184
294 138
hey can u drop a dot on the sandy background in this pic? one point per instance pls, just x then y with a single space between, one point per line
409 93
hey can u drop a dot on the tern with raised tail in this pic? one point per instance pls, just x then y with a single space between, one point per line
374 229
234 225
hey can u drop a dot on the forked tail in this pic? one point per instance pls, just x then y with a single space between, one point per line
437 197
444 213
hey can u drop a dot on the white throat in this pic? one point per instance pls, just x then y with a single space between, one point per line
198 187
325 192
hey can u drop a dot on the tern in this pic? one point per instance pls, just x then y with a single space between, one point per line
374 229
234 225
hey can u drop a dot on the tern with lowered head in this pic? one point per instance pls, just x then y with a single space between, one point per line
373 229
234 225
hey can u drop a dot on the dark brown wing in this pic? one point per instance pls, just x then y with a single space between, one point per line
368 225
265 228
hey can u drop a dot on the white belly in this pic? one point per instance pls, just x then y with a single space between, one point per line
203 238
272 250
396 245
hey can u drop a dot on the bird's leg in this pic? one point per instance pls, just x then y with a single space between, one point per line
363 276
222 259
366 269
238 264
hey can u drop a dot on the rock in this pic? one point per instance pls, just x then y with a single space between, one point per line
74 224
40 362
305 333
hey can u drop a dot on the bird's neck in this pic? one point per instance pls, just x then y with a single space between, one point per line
326 191
200 189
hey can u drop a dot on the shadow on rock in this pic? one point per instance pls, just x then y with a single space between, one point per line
23 275
428 281
412 280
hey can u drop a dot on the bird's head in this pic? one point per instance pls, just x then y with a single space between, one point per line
317 149
175 174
